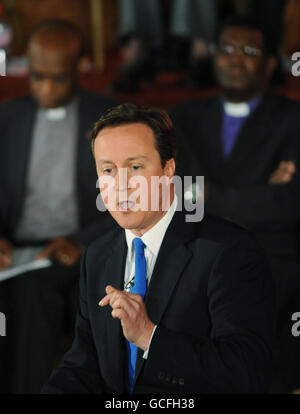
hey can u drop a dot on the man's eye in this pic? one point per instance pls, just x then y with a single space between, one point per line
36 76
136 167
62 79
107 171
227 49
252 51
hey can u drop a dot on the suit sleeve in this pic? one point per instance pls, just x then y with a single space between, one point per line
256 205
79 372
237 355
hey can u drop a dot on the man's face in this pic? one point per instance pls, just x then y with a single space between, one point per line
52 75
125 152
241 67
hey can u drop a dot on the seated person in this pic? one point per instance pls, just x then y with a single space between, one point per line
207 321
246 143
146 47
49 187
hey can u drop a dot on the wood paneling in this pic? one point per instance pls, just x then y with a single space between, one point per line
31 12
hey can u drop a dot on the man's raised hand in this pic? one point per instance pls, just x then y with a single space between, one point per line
131 310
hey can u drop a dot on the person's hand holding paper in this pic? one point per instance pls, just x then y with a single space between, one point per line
62 250
5 254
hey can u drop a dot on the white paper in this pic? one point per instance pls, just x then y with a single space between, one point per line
23 261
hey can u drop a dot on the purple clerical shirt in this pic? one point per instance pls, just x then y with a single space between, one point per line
232 126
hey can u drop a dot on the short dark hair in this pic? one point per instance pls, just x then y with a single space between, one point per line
157 119
60 26
252 23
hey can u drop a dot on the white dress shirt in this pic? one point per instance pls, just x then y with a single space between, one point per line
152 240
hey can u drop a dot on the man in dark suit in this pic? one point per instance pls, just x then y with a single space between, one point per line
246 144
48 205
207 321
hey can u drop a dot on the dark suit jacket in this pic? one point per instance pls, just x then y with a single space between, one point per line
16 126
212 298
238 187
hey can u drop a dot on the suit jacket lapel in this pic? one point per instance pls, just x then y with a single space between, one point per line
170 264
84 162
212 129
114 275
171 261
23 127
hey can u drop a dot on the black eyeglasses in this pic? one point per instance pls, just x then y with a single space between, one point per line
245 50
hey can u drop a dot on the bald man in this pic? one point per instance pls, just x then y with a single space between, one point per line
53 58
50 201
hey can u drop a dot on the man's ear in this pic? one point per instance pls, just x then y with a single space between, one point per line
169 168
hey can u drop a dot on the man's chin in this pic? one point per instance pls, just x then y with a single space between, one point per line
237 93
126 220
51 104
48 105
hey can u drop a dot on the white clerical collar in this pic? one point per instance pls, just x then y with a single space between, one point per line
237 110
60 113
56 114
153 238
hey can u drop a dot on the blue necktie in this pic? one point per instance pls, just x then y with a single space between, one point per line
139 288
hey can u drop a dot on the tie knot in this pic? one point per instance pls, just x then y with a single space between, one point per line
138 246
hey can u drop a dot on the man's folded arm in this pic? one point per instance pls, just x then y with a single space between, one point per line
78 373
257 204
237 356
264 203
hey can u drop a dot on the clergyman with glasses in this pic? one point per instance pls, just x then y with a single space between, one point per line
246 143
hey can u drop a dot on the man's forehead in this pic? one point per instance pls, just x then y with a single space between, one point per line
242 35
51 60
55 37
128 142
54 48
138 131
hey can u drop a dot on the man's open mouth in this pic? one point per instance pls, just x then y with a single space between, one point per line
126 205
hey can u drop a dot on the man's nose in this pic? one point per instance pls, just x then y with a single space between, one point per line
237 57
47 86
121 179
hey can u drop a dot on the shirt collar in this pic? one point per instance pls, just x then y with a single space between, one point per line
60 113
240 110
153 238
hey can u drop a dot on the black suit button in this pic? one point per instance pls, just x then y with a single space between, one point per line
161 375
181 381
168 378
174 381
